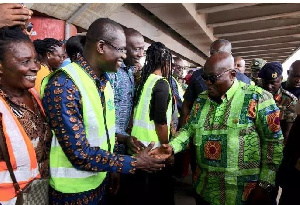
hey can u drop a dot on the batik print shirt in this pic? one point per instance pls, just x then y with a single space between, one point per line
123 85
238 142
63 106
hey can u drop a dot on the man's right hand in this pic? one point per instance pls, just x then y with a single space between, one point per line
163 152
147 163
14 14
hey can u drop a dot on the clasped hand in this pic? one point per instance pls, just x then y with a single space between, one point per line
153 160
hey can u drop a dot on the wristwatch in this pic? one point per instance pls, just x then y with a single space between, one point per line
266 186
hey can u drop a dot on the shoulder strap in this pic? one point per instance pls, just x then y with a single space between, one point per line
5 154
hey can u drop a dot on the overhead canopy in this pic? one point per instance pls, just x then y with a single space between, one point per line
268 31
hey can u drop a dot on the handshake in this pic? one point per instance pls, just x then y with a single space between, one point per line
154 160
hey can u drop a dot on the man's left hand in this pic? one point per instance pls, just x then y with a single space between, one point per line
259 196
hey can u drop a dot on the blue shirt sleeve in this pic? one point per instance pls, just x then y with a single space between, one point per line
63 107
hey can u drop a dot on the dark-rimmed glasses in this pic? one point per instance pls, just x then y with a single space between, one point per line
213 78
122 50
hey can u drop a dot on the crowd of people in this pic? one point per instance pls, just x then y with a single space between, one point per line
105 129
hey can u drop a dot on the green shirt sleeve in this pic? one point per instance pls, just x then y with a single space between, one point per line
182 138
271 138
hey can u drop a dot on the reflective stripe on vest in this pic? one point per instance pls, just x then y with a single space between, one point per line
21 152
64 177
143 128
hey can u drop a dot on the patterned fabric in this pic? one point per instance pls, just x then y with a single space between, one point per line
36 127
238 142
123 85
63 106
286 103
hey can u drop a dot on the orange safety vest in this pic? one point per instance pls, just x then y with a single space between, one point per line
21 153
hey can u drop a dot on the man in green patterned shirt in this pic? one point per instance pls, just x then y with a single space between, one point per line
236 132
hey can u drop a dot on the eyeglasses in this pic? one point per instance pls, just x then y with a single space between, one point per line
138 49
122 50
213 78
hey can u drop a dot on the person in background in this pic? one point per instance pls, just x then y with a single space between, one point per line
271 78
74 47
235 129
23 126
293 81
79 103
240 64
123 85
255 66
288 176
50 55
188 76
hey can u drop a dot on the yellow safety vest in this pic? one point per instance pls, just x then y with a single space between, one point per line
64 177
144 128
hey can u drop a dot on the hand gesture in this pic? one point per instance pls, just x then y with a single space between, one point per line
133 145
148 163
162 152
14 14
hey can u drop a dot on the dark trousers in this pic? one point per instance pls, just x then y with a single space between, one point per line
147 189
200 200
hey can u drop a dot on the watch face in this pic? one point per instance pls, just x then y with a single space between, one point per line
269 188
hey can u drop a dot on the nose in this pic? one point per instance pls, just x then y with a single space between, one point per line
269 87
35 66
141 53
124 56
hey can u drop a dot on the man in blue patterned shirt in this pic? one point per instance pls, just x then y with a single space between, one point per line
123 84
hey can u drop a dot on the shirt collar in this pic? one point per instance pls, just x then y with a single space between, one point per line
84 64
230 93
278 95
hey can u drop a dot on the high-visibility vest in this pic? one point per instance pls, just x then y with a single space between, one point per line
63 176
21 153
143 128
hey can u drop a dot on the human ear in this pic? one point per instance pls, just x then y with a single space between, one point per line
99 46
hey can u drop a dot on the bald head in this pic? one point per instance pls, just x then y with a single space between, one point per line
220 60
239 64
105 46
295 65
220 45
293 80
103 29
177 67
219 74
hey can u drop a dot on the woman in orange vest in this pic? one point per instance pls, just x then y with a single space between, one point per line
23 124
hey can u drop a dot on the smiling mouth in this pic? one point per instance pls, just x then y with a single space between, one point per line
30 77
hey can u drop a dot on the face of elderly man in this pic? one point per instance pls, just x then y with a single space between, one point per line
219 74
239 64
